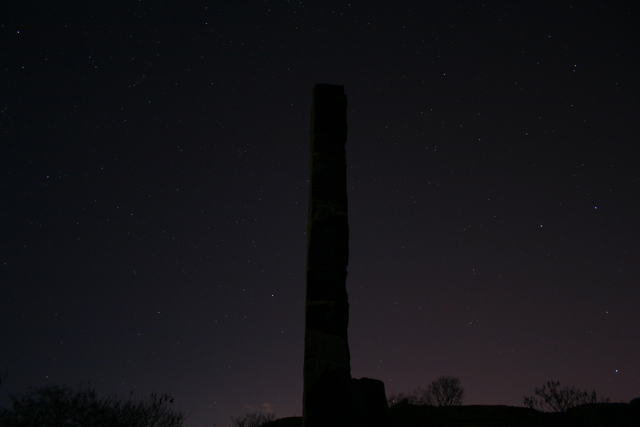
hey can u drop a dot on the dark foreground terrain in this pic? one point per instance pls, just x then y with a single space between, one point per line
592 415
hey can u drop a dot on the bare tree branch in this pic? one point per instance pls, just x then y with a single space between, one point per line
552 398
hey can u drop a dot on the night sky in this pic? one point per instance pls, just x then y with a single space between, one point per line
154 171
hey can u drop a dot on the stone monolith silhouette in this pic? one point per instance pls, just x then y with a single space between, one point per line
327 367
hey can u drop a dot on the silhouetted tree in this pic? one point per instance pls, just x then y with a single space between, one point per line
252 419
445 391
552 398
56 406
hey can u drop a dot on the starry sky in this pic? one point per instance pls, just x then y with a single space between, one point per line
154 191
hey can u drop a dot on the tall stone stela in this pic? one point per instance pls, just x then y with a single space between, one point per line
327 367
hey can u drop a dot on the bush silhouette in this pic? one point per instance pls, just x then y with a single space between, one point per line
58 406
410 398
252 419
445 391
552 398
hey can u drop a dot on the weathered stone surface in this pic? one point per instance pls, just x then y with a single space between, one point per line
327 369
328 317
369 403
326 348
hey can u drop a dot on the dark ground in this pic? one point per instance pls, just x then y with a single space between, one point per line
593 415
